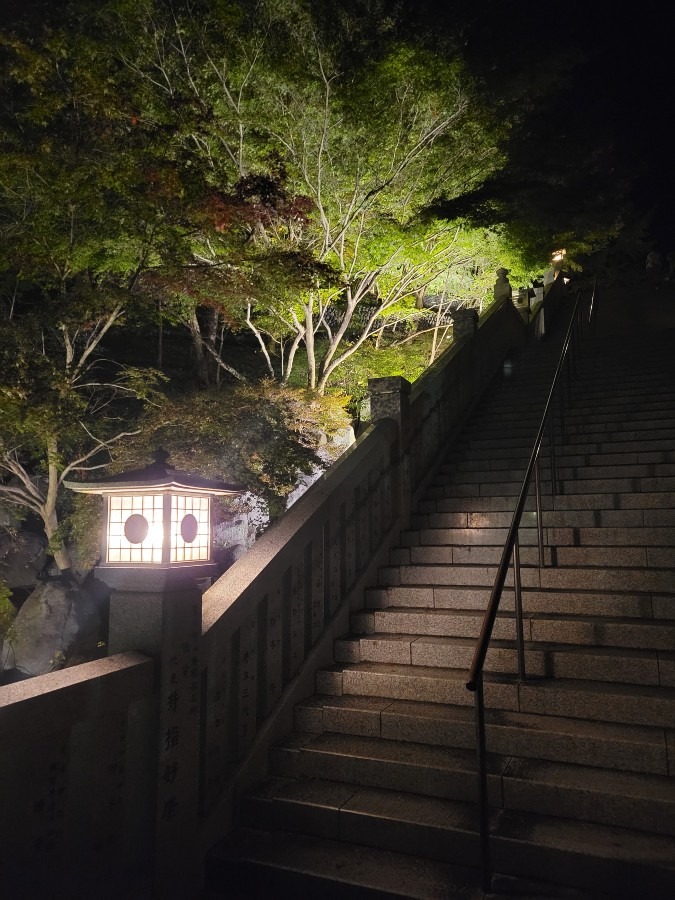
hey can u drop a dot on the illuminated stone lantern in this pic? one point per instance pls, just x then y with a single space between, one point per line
157 541
156 518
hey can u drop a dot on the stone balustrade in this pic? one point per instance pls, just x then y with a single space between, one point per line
271 619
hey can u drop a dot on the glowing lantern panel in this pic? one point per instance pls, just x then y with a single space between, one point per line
135 532
190 528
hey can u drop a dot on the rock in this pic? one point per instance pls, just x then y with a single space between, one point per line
22 558
343 437
58 625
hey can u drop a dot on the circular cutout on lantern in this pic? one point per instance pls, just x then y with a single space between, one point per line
189 528
136 528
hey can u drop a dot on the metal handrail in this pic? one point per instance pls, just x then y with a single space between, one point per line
512 549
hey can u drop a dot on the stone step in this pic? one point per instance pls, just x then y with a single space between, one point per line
582 630
558 555
597 663
586 388
590 794
583 519
589 578
390 820
581 854
499 487
487 463
580 603
630 748
254 864
620 428
585 533
626 704
575 535
490 450
642 438
595 857
575 422
649 500
431 771
565 473
426 684
583 405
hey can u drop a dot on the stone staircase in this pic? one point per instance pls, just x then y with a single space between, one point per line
374 794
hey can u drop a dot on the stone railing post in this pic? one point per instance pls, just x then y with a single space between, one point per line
390 399
159 613
464 323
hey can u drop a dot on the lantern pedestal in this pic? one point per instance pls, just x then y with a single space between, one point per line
139 599
156 558
158 613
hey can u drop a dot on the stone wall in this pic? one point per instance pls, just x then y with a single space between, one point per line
77 781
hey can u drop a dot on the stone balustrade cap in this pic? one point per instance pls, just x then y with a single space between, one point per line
389 384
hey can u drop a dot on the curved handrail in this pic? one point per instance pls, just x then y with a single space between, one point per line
478 661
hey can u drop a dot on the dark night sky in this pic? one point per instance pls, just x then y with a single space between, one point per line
622 91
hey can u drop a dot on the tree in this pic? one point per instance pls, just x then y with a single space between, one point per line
262 435
76 238
315 162
371 151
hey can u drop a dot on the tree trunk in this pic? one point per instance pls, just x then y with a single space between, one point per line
49 514
419 298
58 550
201 359
309 344
290 360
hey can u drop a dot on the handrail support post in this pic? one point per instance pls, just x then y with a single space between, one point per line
551 447
540 524
483 811
519 609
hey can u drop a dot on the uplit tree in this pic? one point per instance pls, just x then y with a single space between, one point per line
76 237
315 160
371 147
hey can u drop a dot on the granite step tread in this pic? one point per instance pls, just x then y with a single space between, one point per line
648 500
580 602
588 437
582 472
542 658
590 522
577 535
406 682
645 428
558 555
540 628
447 829
627 747
463 450
589 793
575 577
261 863
586 854
605 701
638 405
567 487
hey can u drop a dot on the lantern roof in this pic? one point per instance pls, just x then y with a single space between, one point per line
160 475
